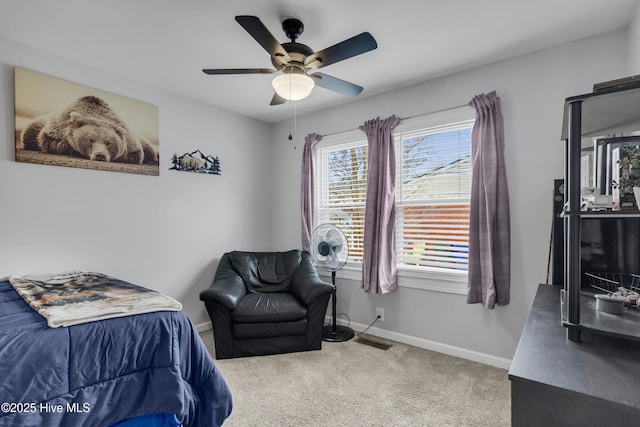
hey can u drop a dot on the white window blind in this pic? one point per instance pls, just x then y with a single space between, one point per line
433 190
343 178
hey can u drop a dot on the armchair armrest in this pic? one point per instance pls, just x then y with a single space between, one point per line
306 285
224 292
227 288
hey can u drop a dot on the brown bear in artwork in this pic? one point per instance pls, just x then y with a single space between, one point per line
88 128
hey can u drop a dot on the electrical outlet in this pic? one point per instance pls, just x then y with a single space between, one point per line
380 314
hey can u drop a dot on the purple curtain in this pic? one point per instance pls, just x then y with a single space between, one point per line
308 193
379 259
489 227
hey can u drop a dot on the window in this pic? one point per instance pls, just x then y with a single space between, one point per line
433 184
343 179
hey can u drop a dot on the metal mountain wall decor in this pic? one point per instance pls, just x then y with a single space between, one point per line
197 162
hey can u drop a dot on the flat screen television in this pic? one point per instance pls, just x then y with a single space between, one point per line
608 246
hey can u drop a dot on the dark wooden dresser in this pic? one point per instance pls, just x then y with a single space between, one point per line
558 382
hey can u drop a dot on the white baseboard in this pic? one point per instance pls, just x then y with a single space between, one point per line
202 327
451 350
439 347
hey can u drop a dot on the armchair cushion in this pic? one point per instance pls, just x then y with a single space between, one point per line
268 307
266 271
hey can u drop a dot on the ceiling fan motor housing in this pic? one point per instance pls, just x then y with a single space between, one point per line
298 53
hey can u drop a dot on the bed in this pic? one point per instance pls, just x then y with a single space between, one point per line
149 367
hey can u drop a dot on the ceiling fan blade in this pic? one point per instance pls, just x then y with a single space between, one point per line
349 48
254 26
218 71
337 85
277 100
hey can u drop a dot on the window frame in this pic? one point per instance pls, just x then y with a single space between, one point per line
425 278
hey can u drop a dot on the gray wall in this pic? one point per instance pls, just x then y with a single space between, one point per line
533 88
166 232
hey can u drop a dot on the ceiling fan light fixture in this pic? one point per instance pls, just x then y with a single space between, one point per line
293 86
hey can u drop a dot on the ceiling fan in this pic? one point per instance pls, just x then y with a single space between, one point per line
295 59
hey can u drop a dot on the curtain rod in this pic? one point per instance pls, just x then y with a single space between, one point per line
401 118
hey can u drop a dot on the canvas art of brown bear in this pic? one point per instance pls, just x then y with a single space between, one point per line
90 129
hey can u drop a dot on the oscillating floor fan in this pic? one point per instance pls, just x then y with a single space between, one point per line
329 251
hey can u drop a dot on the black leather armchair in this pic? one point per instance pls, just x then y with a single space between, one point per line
266 303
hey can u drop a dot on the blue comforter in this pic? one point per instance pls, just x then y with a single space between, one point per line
100 373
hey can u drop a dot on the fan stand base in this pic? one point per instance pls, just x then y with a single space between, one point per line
339 334
335 332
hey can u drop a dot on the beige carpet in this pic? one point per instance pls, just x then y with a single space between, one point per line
352 384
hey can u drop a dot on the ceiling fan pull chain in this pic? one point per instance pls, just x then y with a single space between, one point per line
295 122
290 120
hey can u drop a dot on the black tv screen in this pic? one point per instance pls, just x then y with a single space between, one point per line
609 246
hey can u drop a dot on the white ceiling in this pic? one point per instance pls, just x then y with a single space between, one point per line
166 43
